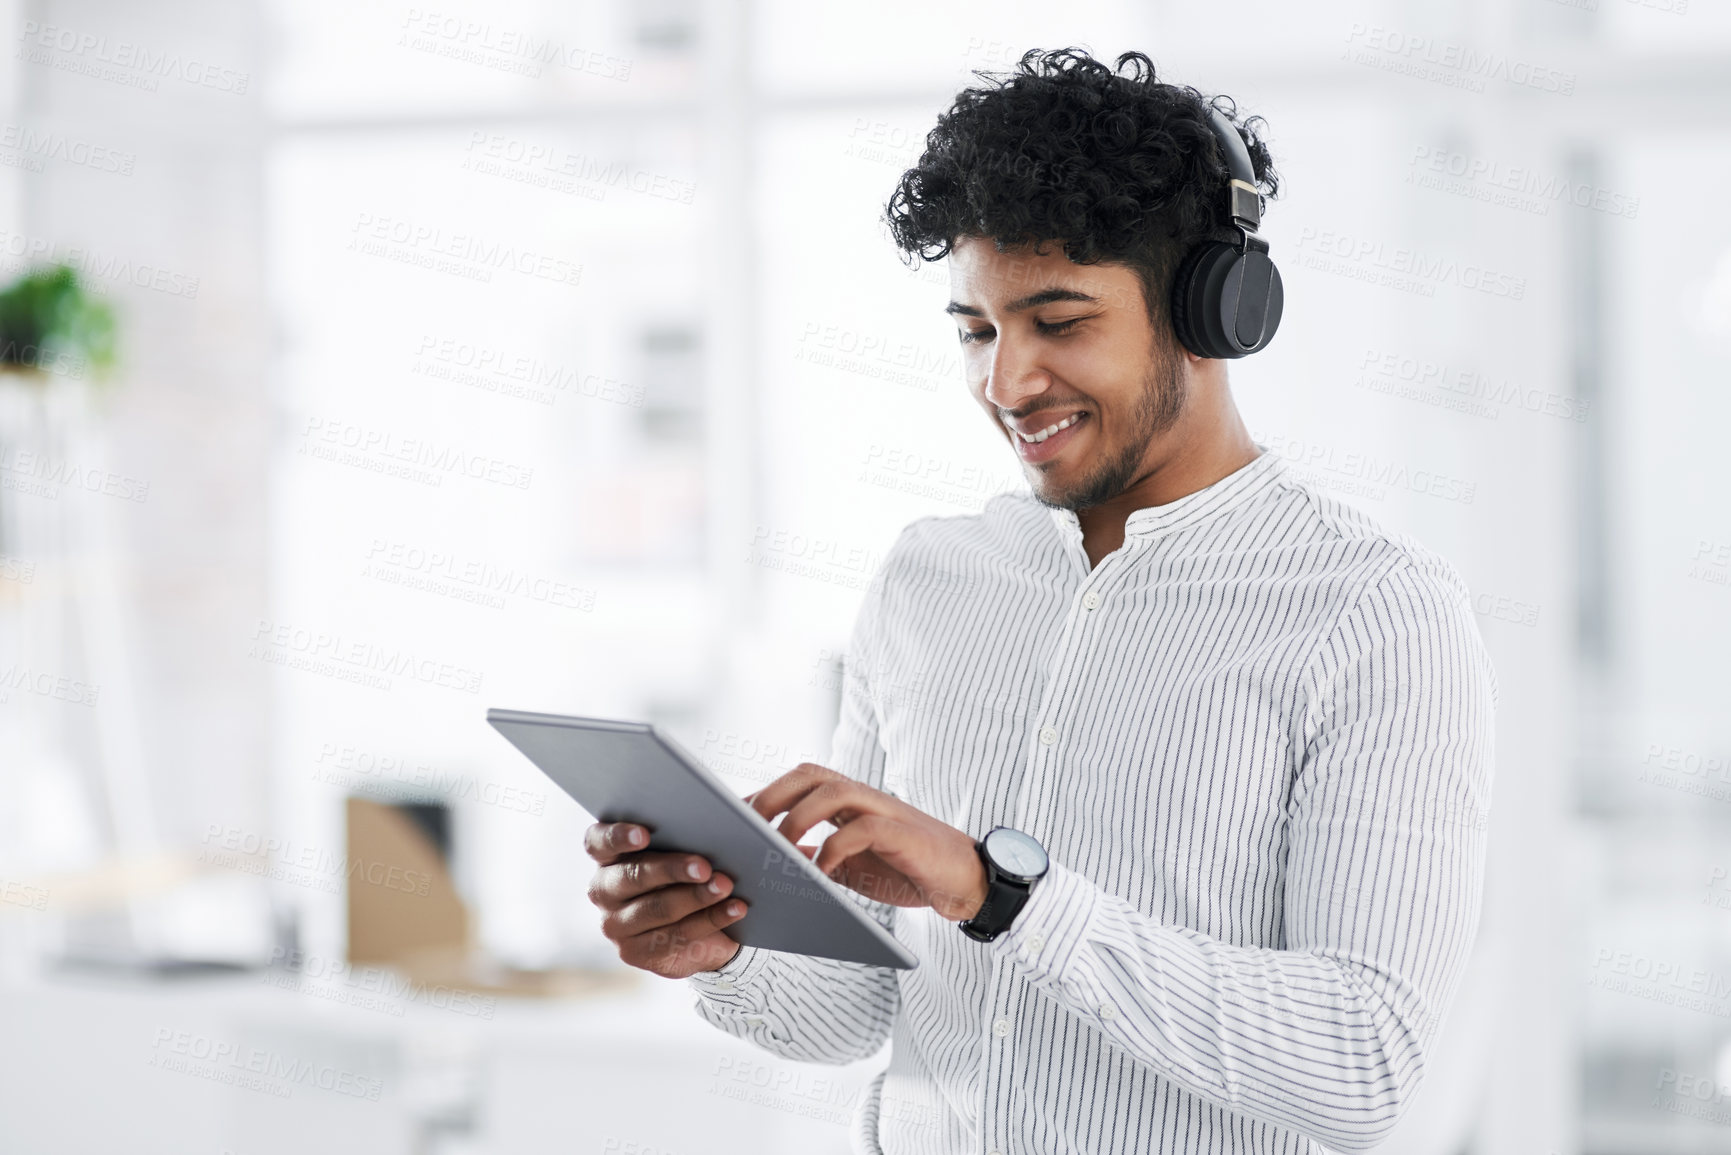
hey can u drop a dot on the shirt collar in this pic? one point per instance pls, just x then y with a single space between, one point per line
1261 474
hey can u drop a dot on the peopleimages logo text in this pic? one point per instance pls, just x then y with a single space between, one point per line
1460 65
1372 254
153 64
279 640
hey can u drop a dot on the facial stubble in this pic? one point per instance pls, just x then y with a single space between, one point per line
1157 410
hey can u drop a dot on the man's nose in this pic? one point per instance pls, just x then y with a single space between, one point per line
1014 374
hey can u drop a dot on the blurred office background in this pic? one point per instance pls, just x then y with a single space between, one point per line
552 356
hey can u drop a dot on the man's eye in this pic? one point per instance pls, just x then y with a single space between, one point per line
1052 328
969 336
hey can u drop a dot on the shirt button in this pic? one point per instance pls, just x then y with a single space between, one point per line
723 984
753 1021
1037 943
1001 1028
1108 1011
1048 736
1090 600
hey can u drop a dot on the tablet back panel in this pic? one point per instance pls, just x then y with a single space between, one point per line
629 772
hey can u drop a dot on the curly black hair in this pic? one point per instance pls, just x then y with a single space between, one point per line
1110 162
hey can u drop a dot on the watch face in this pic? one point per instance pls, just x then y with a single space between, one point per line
1015 853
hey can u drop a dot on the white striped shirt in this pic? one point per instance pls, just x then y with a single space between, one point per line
1256 742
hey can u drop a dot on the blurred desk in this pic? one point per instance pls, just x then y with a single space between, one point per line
241 1064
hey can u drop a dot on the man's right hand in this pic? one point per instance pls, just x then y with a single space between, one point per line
665 912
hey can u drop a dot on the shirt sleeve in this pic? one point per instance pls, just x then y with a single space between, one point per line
1386 825
810 1009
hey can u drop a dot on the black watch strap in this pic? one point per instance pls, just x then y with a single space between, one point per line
1005 898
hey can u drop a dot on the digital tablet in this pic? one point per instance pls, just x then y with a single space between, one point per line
631 772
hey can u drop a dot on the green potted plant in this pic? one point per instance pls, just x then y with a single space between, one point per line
50 325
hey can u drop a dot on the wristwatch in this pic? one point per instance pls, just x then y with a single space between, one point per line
1014 863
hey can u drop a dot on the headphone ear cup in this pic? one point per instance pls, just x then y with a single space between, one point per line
1211 313
1196 300
1178 300
1252 299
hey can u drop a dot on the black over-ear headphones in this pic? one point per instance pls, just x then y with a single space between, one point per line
1226 298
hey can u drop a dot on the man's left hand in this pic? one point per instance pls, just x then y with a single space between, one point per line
882 847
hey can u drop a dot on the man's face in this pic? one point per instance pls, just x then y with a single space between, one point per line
1046 342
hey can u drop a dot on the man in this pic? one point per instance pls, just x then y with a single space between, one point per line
1239 736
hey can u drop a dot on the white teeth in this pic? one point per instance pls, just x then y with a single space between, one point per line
1036 438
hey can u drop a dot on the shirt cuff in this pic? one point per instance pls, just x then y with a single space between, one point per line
1051 926
728 985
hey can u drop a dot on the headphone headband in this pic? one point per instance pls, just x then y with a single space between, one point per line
1243 201
1232 145
1227 298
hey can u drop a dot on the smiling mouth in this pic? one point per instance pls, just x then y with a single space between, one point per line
1036 438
